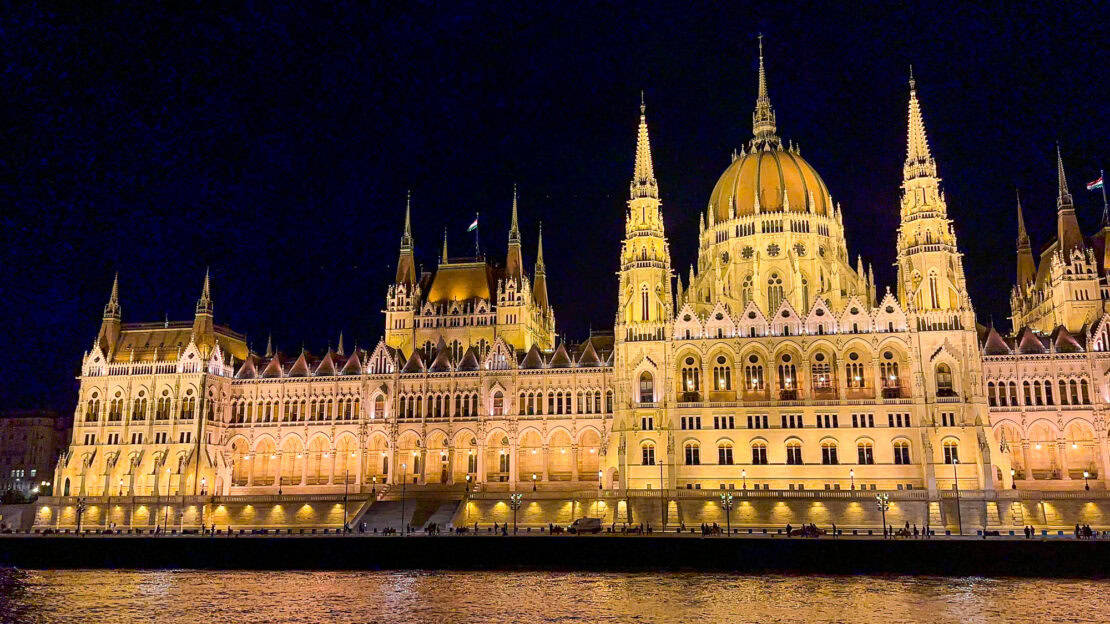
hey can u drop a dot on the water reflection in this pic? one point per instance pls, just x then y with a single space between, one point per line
437 597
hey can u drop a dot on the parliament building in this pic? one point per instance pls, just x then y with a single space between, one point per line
776 363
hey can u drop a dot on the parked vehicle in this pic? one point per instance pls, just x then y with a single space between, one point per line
585 525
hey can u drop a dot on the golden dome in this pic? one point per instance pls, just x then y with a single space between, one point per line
774 172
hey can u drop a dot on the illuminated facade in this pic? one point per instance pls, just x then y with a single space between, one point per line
776 364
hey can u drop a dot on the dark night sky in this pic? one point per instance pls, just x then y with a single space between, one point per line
276 146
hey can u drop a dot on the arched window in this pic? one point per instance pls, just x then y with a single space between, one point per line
828 452
992 399
759 453
608 401
944 381
901 452
746 291
647 388
933 296
691 376
1013 393
753 374
1074 391
794 453
1063 392
644 300
724 453
788 376
821 372
774 292
722 374
647 454
1085 392
1048 393
805 295
865 452
1038 392
693 454
951 452
498 403
1027 392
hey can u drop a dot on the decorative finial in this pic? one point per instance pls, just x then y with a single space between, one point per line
913 83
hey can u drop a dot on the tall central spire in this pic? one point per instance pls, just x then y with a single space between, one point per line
1067 227
539 282
406 237
406 264
763 119
514 228
112 308
919 162
514 260
643 173
1026 267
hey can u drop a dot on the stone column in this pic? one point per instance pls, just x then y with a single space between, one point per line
277 470
331 469
481 476
574 462
1025 458
250 469
304 466
546 463
1061 450
1104 453
423 459
450 465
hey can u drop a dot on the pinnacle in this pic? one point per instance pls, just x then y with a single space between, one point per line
514 228
1064 197
643 173
763 118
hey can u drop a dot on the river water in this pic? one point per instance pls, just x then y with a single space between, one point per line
116 596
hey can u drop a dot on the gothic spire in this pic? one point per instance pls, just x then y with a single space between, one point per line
763 118
643 173
443 260
1063 198
1067 227
112 309
204 304
514 228
514 260
1026 266
919 162
339 351
270 345
539 283
406 264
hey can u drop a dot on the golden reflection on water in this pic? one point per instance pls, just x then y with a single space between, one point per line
118 596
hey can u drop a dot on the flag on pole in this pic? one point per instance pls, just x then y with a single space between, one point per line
473 226
1097 184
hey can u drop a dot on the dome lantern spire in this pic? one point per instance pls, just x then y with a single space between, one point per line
763 119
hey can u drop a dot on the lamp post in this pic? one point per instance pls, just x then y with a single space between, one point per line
1086 485
882 502
852 476
533 482
744 476
662 499
726 502
515 501
1013 479
80 511
346 473
404 478
597 507
374 486
956 484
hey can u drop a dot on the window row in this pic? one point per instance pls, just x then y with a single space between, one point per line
1038 392
865 453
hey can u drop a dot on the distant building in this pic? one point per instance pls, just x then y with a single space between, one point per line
30 442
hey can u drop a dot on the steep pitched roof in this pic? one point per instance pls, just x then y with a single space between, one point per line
560 359
469 361
1028 342
415 363
327 365
589 357
300 367
353 365
995 344
273 367
534 359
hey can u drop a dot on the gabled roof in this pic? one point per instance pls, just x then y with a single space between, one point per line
533 359
560 359
1028 342
589 357
353 365
247 370
442 361
415 364
995 344
300 367
469 361
326 368
1064 342
273 367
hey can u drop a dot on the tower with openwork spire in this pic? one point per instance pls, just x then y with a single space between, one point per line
645 301
109 334
763 118
1026 267
514 261
930 268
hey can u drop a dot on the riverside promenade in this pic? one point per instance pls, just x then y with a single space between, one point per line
1056 556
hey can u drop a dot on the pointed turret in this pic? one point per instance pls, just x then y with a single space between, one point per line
1026 266
514 260
339 350
1067 226
204 333
443 259
109 333
270 345
539 283
406 265
643 171
763 119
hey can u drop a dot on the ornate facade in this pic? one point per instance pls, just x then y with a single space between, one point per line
777 364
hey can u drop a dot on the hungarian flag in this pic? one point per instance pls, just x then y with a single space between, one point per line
473 226
1097 184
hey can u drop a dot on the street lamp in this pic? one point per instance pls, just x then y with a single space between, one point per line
852 476
404 478
1086 486
346 474
726 502
882 502
744 476
597 507
1013 479
956 484
662 499
80 511
533 482
515 501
